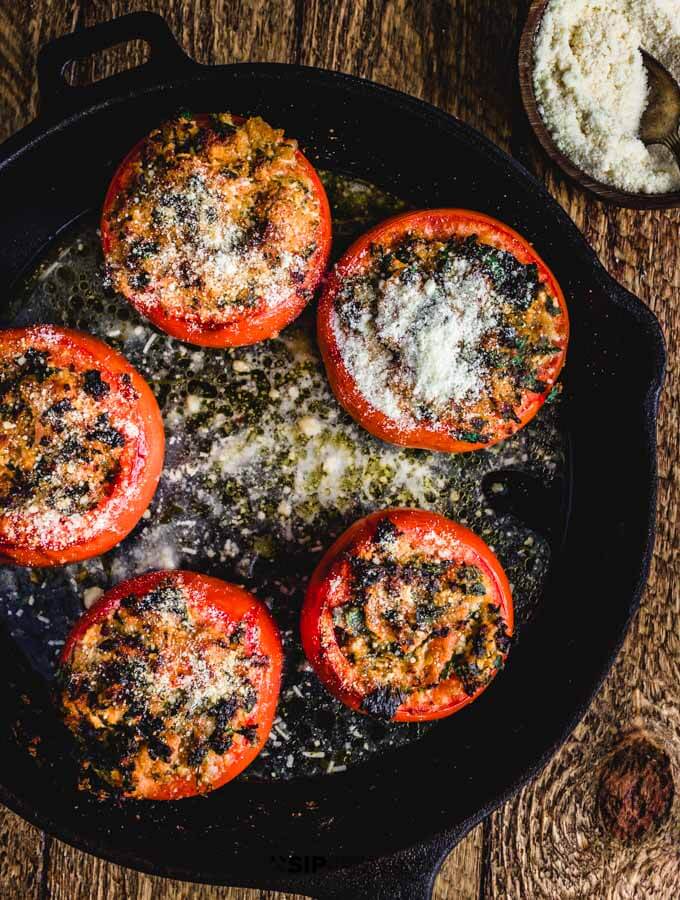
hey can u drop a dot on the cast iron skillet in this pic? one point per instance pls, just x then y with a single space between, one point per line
382 829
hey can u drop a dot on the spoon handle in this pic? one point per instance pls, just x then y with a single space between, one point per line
673 144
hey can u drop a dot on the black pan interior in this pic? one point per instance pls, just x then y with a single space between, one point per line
467 765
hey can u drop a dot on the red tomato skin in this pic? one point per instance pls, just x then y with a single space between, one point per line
428 223
235 334
410 521
233 602
146 468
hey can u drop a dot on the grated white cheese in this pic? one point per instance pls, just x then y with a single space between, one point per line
591 85
310 426
91 595
424 339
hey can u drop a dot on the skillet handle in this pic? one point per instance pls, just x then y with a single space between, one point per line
406 875
408 887
166 61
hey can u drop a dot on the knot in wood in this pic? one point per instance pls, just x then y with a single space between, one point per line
636 790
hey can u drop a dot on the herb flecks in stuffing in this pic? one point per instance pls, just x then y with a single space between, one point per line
158 690
415 619
452 334
58 451
216 218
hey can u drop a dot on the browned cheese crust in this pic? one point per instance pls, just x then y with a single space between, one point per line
158 691
213 219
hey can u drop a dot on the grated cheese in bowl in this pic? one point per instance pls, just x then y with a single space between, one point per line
591 86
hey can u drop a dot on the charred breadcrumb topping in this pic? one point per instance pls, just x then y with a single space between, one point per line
216 220
160 690
454 334
59 446
416 619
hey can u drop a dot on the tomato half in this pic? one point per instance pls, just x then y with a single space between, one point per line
529 343
81 450
408 616
182 671
220 229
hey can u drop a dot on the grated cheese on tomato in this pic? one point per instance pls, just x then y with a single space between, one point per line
162 688
435 327
213 219
449 333
410 614
69 432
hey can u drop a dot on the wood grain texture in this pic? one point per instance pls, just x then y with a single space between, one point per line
22 858
550 841
211 31
24 28
73 875
434 50
23 849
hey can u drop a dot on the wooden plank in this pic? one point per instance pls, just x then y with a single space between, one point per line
74 875
430 50
22 857
436 50
23 30
552 841
211 31
460 876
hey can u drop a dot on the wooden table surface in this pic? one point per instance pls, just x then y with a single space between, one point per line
550 841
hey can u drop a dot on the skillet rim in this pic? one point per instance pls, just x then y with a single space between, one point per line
437 843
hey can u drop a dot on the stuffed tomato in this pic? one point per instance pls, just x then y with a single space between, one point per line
408 616
443 330
170 684
216 228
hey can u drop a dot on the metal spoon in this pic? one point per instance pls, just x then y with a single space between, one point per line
661 118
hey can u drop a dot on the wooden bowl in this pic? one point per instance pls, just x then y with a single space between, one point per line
526 83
